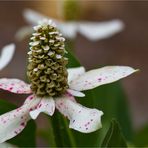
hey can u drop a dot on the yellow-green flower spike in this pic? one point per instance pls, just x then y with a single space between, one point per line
47 65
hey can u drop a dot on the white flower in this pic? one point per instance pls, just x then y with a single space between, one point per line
91 30
82 119
6 55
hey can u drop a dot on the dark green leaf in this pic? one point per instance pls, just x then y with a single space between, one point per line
63 135
112 101
114 137
6 106
47 134
141 137
73 62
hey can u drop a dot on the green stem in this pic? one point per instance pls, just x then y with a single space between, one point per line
71 138
56 130
62 134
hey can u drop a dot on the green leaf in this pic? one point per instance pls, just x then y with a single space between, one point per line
47 134
114 137
141 137
62 134
73 62
112 101
27 137
6 106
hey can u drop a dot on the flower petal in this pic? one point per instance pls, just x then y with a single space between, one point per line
91 30
47 105
13 122
32 102
75 93
73 73
15 86
100 30
6 55
82 119
68 29
23 32
97 77
33 17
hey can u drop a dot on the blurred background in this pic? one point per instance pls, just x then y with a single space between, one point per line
129 47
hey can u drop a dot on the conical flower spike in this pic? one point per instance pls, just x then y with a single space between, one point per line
46 68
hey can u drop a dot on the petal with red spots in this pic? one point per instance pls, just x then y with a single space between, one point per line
13 122
82 119
46 105
97 77
15 86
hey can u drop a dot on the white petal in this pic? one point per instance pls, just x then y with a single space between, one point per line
73 73
6 55
91 30
82 119
23 32
75 93
13 122
97 31
47 105
34 17
68 29
97 77
15 86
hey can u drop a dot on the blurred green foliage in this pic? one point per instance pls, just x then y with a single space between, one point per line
141 137
114 137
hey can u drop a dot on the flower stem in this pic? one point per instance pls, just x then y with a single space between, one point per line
71 138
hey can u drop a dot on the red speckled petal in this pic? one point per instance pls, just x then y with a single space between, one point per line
97 77
46 105
82 119
15 86
13 122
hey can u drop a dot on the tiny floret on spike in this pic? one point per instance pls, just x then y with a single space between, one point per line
47 64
